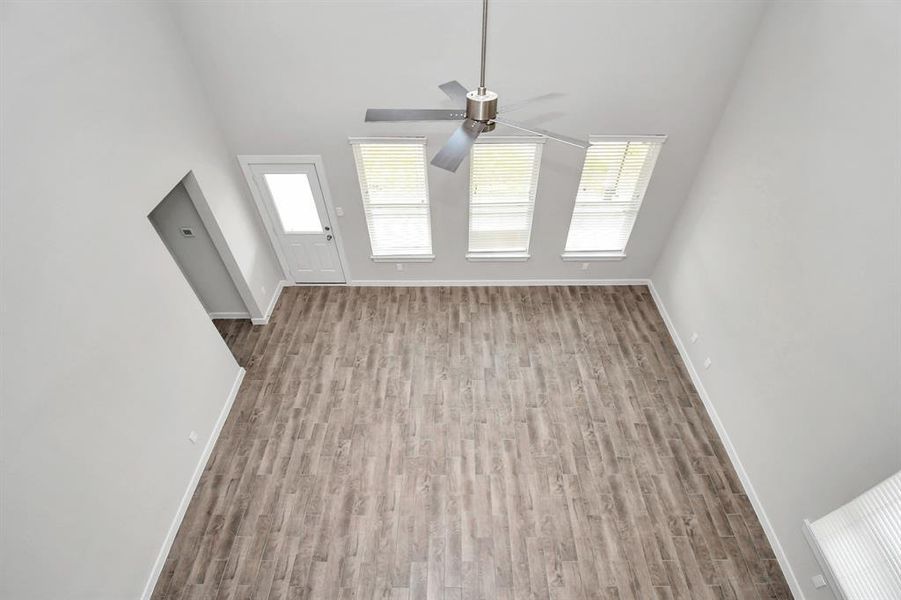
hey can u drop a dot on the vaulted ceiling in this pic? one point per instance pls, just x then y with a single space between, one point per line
296 78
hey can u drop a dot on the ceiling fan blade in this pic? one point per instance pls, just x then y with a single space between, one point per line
414 114
523 103
457 147
455 91
554 136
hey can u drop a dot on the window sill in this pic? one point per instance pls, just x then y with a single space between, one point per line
590 256
403 258
497 256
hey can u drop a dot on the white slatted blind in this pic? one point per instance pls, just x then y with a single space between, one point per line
614 179
861 542
395 192
502 185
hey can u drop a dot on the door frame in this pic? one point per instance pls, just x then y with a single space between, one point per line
247 161
202 206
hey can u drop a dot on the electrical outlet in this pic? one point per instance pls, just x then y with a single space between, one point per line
192 437
694 337
584 266
339 211
818 581
707 362
399 266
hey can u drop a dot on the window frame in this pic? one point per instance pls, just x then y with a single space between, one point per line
407 140
842 527
612 255
504 255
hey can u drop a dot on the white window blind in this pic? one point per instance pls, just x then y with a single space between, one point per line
861 543
502 186
392 174
614 179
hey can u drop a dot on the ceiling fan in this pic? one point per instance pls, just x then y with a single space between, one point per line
479 115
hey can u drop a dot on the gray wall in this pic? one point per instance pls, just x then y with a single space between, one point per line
108 359
787 262
196 256
296 78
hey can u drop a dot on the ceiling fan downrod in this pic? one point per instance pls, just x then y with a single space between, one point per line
481 104
484 44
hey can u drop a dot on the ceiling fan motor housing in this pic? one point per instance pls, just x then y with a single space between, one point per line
481 105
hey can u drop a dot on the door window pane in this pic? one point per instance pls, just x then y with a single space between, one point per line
294 202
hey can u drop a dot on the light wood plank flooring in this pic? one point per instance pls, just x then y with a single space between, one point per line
407 443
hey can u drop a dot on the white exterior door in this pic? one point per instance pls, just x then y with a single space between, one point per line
297 219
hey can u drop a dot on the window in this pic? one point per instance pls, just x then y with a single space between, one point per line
392 173
614 179
859 544
502 185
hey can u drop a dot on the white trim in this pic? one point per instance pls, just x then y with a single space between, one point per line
512 139
410 139
498 256
828 574
323 284
592 256
229 315
195 193
192 486
258 201
264 320
246 161
594 139
790 577
220 245
402 258
330 209
492 282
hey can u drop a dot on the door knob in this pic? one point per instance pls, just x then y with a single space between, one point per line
327 228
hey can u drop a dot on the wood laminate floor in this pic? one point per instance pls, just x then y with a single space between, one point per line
407 443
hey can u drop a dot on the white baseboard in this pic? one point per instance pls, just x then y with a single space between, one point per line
790 577
192 485
229 315
272 302
491 282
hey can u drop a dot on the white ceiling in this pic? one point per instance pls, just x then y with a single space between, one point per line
296 78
